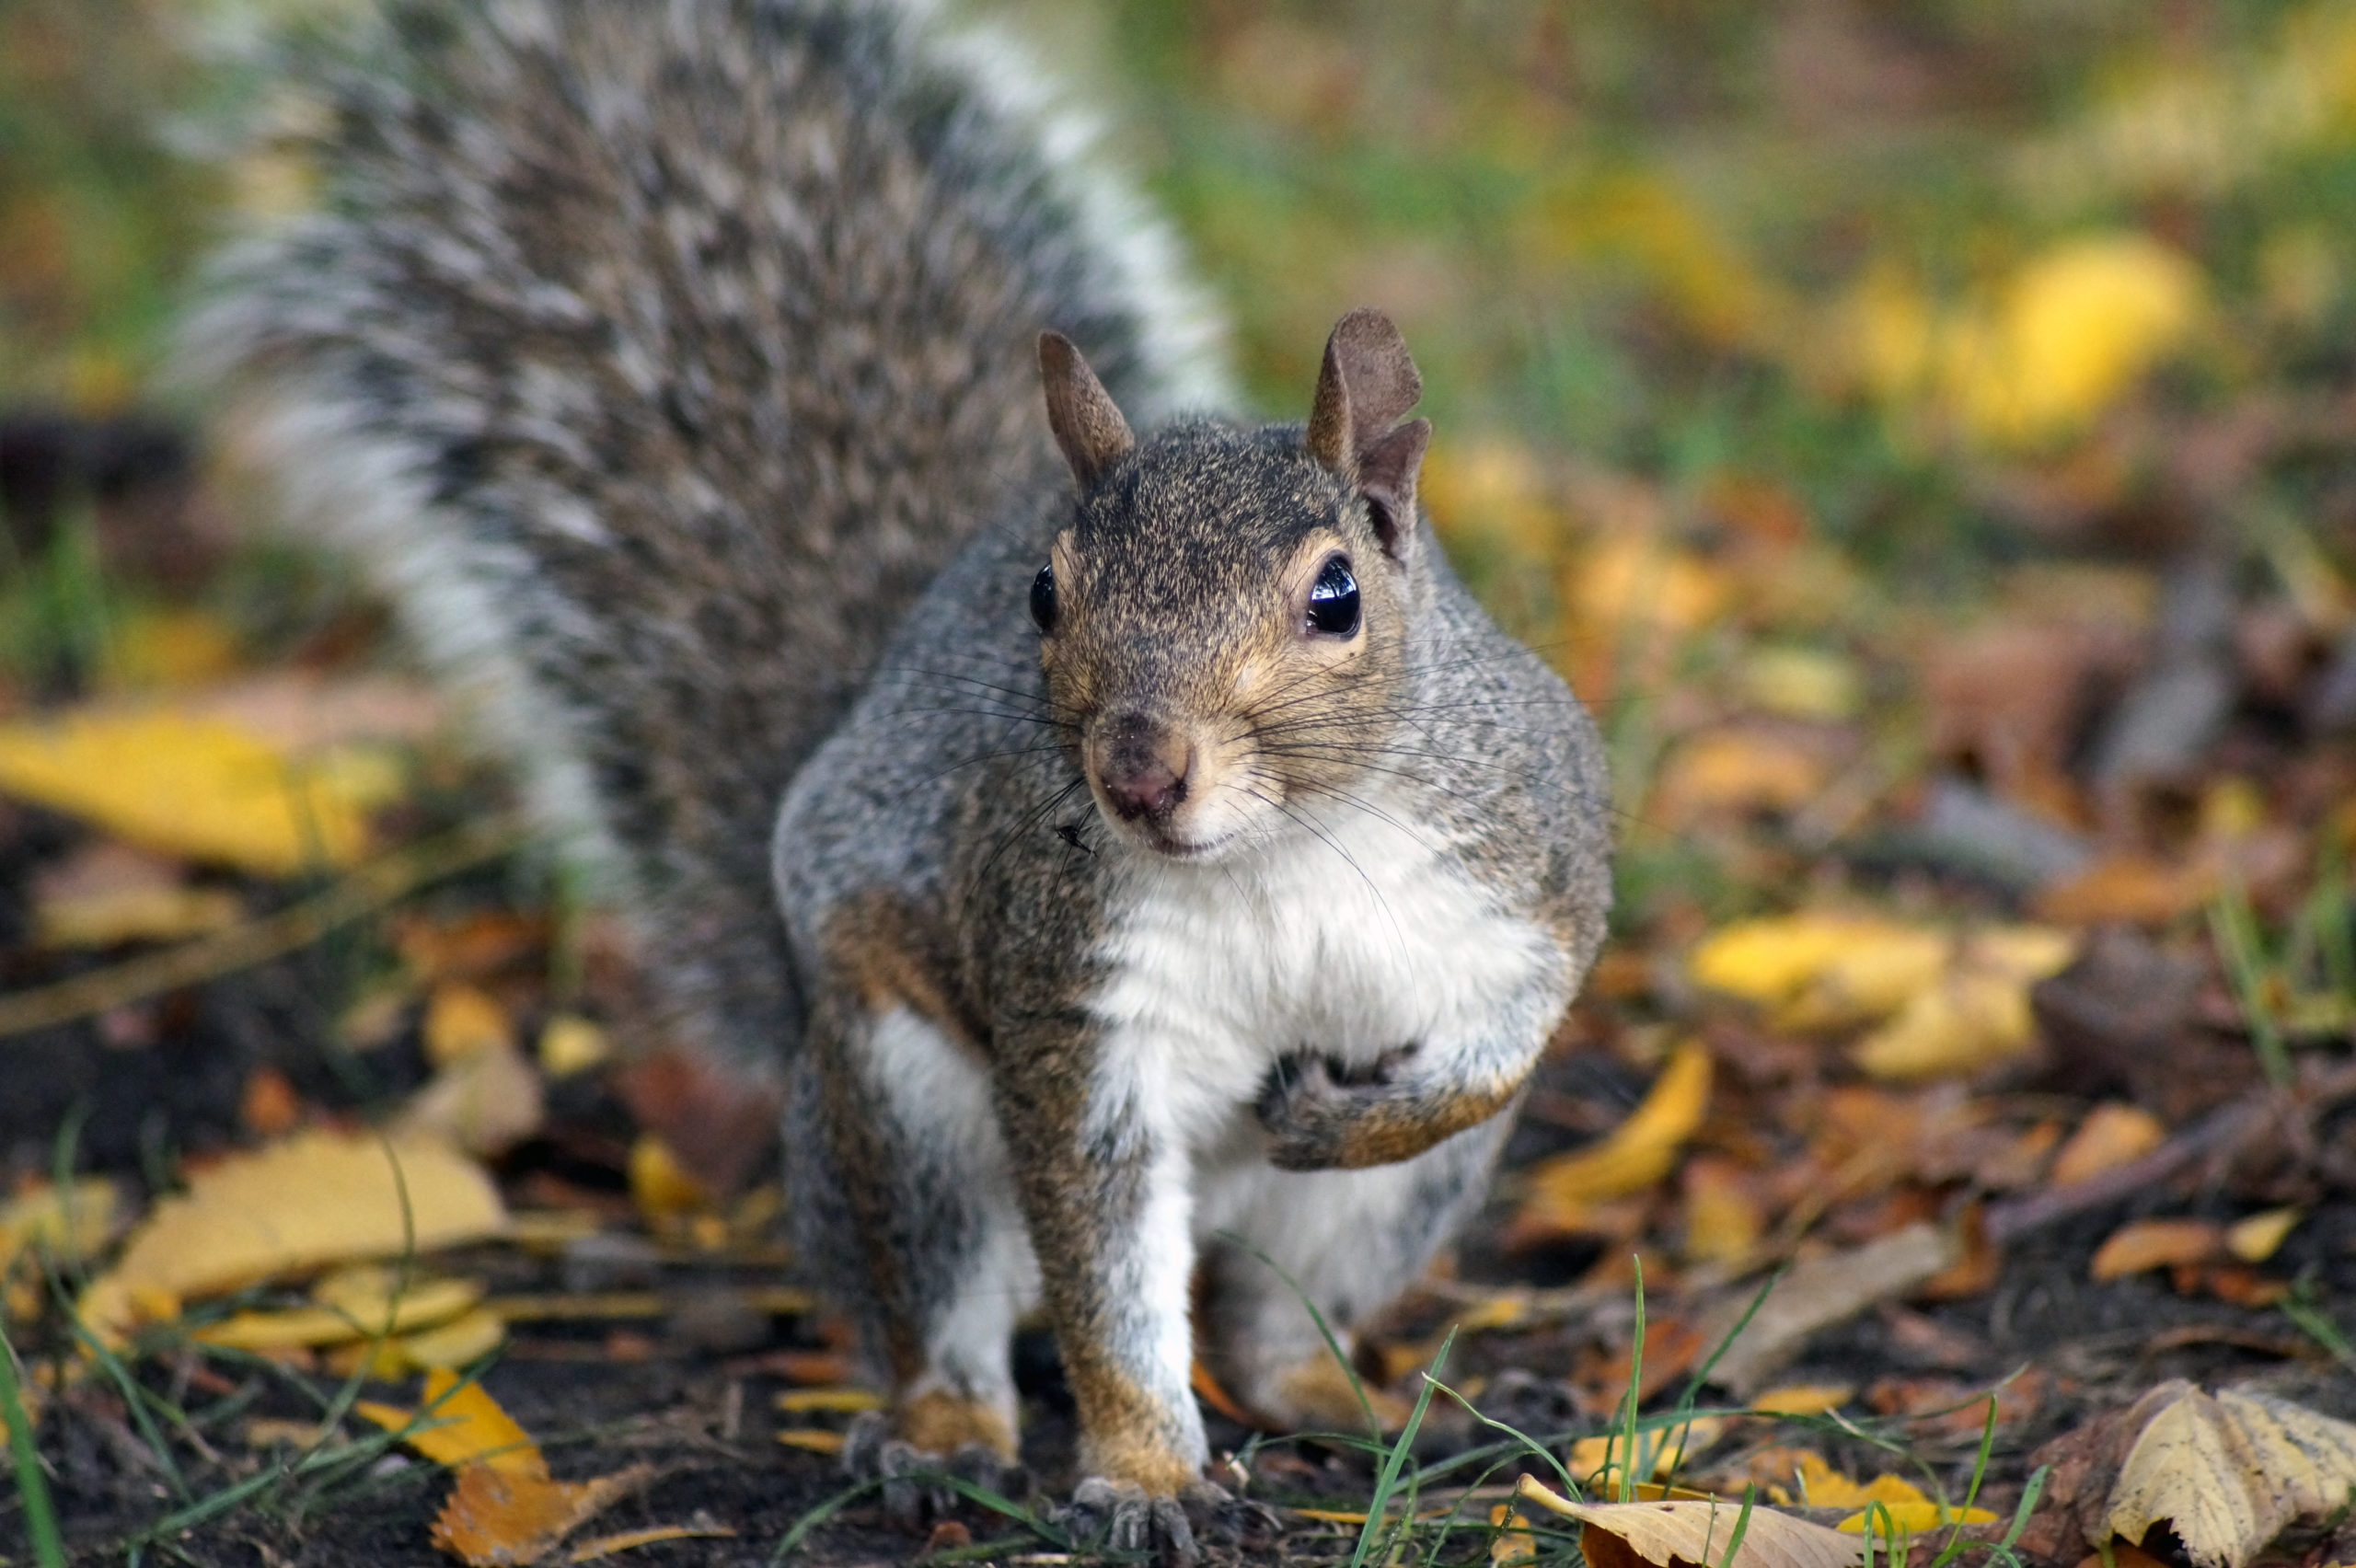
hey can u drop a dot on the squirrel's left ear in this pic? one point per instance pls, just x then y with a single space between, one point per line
1368 384
1088 425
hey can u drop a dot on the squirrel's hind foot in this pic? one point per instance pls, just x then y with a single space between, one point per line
917 1489
1116 1516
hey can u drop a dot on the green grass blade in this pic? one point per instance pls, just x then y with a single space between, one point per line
32 1483
1389 1479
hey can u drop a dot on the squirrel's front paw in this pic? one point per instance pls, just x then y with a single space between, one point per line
1120 1515
915 1480
1312 1112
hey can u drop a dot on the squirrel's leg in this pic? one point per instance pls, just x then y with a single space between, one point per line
1106 1190
909 1209
1350 1241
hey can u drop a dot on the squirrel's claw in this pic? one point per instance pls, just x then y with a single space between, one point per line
916 1493
1117 1515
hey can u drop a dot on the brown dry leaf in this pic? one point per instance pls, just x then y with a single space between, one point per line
495 1517
2131 889
1740 770
200 787
2112 1133
1619 1534
1635 1155
1819 1292
2156 1243
322 1197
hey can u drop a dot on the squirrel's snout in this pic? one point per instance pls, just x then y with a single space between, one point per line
1141 765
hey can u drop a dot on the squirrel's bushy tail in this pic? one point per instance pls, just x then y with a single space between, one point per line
657 353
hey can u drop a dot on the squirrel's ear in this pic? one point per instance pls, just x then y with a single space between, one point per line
1367 385
1087 427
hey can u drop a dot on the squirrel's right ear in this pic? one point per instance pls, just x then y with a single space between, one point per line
1355 431
1087 427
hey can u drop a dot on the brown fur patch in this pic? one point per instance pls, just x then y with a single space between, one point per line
941 1422
894 954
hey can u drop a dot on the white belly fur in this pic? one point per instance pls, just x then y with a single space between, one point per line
1351 943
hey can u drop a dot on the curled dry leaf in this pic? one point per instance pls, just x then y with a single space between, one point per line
1618 1535
2228 1472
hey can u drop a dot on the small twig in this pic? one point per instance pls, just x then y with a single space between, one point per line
2223 1131
363 893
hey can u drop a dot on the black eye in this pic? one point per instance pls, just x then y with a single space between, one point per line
1334 599
1043 598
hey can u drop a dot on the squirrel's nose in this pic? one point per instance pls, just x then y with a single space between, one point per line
1142 765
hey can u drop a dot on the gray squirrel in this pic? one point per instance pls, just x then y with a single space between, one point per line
1180 874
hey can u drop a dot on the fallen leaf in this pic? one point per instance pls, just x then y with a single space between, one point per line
2156 1243
461 1020
1513 1543
485 1102
2132 890
354 1312
109 918
457 1423
1802 1398
1860 967
1738 771
571 1043
267 1106
1819 1292
629 1540
69 1223
847 1400
494 1517
2256 1239
1633 1155
322 1197
816 1439
1977 1015
2113 1133
1804 683
1619 1534
661 1186
1724 1215
202 787
461 1342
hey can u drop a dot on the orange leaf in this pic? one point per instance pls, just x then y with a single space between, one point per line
496 1517
2156 1243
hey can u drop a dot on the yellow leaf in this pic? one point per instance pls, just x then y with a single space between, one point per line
2072 330
460 1020
2254 1239
1698 1532
1821 1486
629 1540
461 1342
459 1422
661 1185
816 1439
200 787
1824 969
1804 683
1738 770
484 1102
800 1402
68 1222
2191 1468
1638 1152
1802 1398
352 1311
1513 1543
318 1198
1911 1518
569 1045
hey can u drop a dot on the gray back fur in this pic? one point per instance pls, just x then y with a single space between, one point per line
658 354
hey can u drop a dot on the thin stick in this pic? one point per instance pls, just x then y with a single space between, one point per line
361 894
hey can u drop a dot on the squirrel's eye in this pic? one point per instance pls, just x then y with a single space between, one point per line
1334 599
1043 598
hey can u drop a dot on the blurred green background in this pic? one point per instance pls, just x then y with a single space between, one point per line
1766 342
